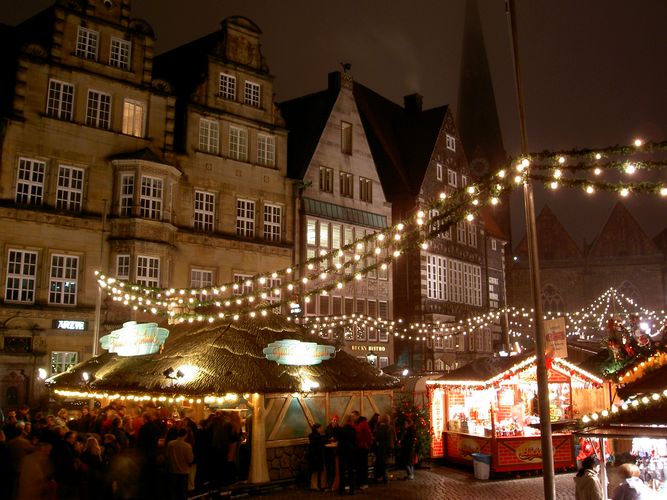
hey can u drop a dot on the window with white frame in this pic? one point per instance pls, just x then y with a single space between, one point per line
311 231
346 185
450 343
488 339
346 137
69 194
383 269
148 271
204 211
238 143
227 88
209 136
266 150
436 277
438 171
243 284
134 113
464 180
251 94
365 190
383 310
472 284
437 342
455 280
461 232
126 195
493 244
30 181
451 177
383 362
86 43
326 180
272 221
63 279
271 288
472 234
451 142
439 365
60 101
201 278
119 56
245 218
62 360
150 203
98 110
123 266
21 276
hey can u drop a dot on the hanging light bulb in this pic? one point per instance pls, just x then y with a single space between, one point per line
630 169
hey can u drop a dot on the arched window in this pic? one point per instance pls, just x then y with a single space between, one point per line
630 291
439 365
551 299
429 365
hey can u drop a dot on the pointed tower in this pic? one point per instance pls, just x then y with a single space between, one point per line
478 122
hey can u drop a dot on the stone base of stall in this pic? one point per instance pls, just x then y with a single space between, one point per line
508 454
287 462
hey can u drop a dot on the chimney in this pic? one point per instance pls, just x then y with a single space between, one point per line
413 103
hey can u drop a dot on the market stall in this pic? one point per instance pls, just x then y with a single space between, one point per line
273 369
490 407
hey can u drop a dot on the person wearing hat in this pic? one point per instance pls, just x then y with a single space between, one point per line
587 482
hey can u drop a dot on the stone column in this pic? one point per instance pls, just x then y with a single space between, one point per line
259 470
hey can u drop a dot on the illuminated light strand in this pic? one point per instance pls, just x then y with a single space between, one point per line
632 403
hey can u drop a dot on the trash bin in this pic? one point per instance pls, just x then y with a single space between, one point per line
482 465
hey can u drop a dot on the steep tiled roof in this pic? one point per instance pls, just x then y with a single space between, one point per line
305 118
622 236
553 240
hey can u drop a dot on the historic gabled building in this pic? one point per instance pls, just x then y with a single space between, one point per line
622 256
340 200
166 178
419 155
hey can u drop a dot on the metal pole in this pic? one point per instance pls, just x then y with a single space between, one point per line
98 301
534 265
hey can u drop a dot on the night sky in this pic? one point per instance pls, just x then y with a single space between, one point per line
595 71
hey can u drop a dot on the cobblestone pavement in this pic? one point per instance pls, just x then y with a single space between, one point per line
444 483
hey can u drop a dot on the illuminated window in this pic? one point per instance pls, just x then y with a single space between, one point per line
148 271
63 279
86 43
62 360
266 150
346 137
98 110
245 218
60 101
209 136
204 211
227 87
272 222
30 182
436 277
238 143
21 276
252 94
120 53
70 188
133 117
151 198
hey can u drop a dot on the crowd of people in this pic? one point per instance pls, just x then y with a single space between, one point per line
630 486
341 456
113 453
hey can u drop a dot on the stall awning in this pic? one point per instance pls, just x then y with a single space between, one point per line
625 432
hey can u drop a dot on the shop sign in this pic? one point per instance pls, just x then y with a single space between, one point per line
554 330
467 447
368 347
69 324
438 413
135 339
529 451
297 353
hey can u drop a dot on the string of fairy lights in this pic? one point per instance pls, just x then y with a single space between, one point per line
334 270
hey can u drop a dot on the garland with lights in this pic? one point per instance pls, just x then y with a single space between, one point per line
655 400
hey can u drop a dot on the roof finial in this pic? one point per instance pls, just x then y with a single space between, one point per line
346 67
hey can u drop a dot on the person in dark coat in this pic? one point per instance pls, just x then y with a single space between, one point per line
318 474
384 442
347 452
407 449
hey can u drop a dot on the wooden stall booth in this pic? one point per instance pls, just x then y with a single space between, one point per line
286 378
490 407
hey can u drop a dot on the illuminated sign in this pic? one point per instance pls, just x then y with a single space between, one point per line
368 348
69 324
438 413
297 353
554 330
135 339
530 451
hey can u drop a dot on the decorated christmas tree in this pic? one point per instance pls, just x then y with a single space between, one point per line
405 409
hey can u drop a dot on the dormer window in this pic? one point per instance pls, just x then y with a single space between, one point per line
227 86
252 94
86 43
451 177
451 142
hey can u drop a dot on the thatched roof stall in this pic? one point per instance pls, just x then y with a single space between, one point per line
210 360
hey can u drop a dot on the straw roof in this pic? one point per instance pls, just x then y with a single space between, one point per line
228 358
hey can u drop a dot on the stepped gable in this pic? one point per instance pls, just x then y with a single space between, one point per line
305 118
553 240
622 236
